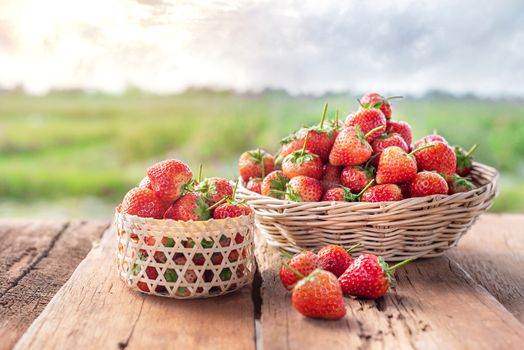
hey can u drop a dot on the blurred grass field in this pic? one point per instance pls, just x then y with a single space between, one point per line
59 151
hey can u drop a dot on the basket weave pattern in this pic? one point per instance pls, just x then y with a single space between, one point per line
413 227
185 260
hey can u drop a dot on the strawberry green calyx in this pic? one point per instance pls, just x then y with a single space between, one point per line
257 156
302 155
464 158
291 194
388 270
277 185
202 209
289 138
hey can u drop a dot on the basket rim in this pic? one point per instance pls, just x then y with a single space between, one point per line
288 204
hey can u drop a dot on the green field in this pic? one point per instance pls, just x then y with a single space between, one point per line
58 150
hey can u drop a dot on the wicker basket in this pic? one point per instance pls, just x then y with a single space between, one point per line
183 260
413 227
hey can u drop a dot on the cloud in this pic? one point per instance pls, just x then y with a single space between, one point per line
401 46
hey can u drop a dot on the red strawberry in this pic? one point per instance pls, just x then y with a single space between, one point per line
458 184
401 128
191 206
350 148
305 263
344 194
255 185
385 141
427 183
145 183
304 189
231 209
464 160
319 295
368 119
144 203
274 185
440 157
356 177
215 189
430 138
330 176
335 259
377 101
293 142
254 163
168 179
382 193
302 163
321 138
404 188
396 166
368 277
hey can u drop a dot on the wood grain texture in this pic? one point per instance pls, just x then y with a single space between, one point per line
36 259
434 305
493 255
94 309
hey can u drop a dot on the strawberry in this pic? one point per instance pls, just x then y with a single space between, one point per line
214 189
255 185
430 138
385 141
144 203
396 166
232 208
356 177
145 183
382 193
304 262
377 101
255 163
191 206
402 128
168 179
350 147
319 295
302 163
457 184
344 194
330 176
368 277
427 183
274 185
304 189
321 138
335 259
404 188
464 160
368 119
440 158
292 143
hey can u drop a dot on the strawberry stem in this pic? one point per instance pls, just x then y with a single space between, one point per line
323 115
393 97
471 150
263 169
336 120
298 274
200 173
435 132
286 254
365 188
350 249
396 266
372 131
217 204
420 149
303 150
234 191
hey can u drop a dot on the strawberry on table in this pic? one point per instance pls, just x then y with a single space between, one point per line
375 100
304 262
274 184
351 147
368 277
371 121
330 176
303 163
344 194
335 259
427 183
402 128
382 193
357 177
191 206
214 189
143 202
253 163
464 160
304 189
168 179
440 157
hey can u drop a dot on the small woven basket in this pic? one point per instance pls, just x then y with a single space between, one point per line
413 227
185 260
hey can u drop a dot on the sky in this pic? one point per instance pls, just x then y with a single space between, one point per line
162 46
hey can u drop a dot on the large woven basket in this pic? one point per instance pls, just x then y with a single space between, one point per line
413 227
183 260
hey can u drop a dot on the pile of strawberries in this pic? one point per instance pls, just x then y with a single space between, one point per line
170 192
370 158
319 281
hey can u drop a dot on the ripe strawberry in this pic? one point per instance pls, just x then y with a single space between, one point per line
430 138
274 185
144 203
330 176
293 142
191 206
168 179
321 138
402 128
145 183
335 259
350 147
319 295
304 189
440 158
458 184
368 277
255 185
385 141
368 119
302 163
214 189
357 177
344 194
232 208
464 160
382 193
427 183
304 262
377 101
254 163
396 166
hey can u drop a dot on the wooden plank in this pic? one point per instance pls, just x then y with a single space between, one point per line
493 255
434 305
36 259
94 309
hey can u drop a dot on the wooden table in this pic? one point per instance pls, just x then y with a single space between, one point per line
471 298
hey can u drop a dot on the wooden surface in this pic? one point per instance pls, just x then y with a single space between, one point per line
471 298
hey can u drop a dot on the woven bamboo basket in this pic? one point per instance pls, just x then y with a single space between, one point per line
185 260
414 227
